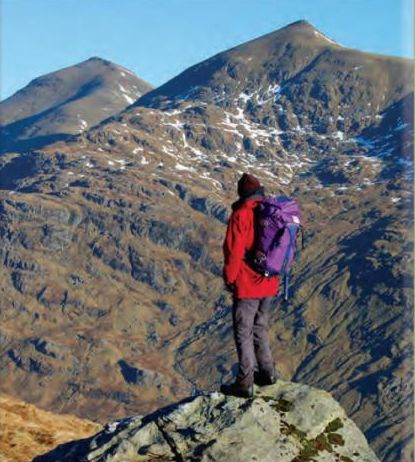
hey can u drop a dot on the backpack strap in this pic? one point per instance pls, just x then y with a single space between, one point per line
292 229
286 284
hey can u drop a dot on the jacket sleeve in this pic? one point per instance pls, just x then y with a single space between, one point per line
234 247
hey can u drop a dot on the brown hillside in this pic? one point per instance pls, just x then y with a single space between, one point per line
27 431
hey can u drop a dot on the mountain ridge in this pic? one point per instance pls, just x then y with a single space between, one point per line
308 40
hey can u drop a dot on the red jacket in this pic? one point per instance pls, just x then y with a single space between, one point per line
240 237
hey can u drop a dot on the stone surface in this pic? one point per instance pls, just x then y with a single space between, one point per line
285 422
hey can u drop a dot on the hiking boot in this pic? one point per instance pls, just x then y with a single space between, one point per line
262 379
237 389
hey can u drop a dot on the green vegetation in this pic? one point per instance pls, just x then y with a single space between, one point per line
334 425
336 439
288 429
280 405
325 441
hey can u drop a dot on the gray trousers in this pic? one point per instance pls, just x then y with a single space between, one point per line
250 323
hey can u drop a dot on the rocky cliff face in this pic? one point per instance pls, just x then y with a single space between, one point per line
285 422
66 102
112 300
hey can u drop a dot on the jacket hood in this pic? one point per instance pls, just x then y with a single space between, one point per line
248 202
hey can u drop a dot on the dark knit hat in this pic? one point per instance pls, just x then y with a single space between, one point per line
248 185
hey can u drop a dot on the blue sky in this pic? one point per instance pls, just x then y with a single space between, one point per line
157 39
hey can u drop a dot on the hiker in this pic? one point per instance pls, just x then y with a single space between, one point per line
253 294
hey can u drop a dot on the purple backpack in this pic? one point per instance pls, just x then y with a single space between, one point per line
277 225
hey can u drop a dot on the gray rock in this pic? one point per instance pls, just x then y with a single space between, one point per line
285 422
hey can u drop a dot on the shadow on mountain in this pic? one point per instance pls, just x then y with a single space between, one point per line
38 142
80 448
369 266
403 109
14 139
21 167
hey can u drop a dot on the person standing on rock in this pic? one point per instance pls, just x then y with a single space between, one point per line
253 294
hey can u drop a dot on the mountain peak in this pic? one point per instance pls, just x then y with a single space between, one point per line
302 26
299 23
97 59
68 101
283 52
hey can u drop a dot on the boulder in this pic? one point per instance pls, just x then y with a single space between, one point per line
285 422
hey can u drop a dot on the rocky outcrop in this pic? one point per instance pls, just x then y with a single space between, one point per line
286 422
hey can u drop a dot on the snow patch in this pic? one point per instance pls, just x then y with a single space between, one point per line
339 135
173 112
83 124
129 99
176 125
168 152
126 70
125 92
183 167
245 97
319 34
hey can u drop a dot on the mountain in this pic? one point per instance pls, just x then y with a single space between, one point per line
296 57
279 423
112 298
67 102
28 431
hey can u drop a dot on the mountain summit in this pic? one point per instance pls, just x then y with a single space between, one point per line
278 58
67 102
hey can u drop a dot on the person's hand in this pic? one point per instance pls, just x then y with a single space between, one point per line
230 287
